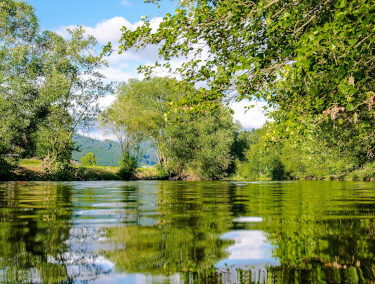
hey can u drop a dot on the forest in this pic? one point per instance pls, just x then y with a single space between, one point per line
312 62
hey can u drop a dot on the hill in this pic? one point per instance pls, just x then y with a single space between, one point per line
108 152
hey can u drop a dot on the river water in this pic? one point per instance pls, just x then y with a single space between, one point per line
187 232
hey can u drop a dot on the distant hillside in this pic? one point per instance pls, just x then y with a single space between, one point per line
108 152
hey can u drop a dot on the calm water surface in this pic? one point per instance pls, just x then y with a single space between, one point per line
187 232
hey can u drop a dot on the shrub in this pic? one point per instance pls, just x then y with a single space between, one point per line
128 167
89 160
62 171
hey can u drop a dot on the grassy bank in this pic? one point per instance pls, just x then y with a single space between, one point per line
364 173
32 170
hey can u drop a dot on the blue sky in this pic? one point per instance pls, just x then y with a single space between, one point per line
53 14
104 19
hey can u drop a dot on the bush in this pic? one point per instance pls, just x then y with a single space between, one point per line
128 167
89 160
61 171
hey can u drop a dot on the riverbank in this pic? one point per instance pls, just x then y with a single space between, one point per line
31 170
365 173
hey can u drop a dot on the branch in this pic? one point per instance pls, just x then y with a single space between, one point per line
305 24
358 44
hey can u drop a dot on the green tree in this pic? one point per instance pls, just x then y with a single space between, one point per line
143 110
201 145
138 113
310 60
19 69
49 87
128 166
88 160
74 80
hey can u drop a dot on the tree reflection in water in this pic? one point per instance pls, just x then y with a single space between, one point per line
185 235
212 232
35 224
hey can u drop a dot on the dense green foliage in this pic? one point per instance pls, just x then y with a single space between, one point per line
89 160
184 144
49 87
200 145
308 159
312 61
128 166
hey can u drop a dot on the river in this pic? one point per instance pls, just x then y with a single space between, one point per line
187 232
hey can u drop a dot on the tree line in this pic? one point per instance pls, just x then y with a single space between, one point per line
311 61
186 145
49 88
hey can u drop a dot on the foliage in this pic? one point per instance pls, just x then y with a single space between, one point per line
153 173
182 142
53 138
286 159
61 171
96 173
77 87
138 113
365 173
49 86
32 169
128 166
20 58
89 160
312 61
201 145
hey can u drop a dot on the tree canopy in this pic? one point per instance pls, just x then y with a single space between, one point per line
89 160
312 61
49 87
143 111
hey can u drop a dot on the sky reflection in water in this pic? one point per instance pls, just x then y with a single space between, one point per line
137 232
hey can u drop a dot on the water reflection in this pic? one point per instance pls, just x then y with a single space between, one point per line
35 224
186 232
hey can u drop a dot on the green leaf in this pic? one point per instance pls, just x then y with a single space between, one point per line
349 107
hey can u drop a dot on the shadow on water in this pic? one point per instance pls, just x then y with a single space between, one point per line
187 232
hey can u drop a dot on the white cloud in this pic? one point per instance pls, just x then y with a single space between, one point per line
118 74
110 29
106 101
98 133
249 245
105 31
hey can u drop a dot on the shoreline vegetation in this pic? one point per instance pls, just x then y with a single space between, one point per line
316 78
31 170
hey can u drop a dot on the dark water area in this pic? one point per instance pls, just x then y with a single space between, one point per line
187 232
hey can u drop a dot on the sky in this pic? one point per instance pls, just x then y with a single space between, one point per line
104 19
